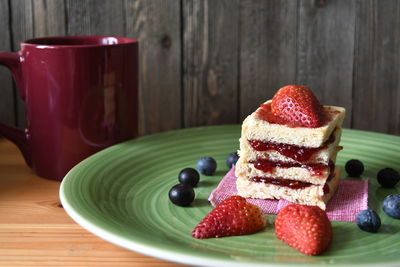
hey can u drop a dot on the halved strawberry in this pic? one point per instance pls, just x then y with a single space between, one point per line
297 105
305 228
233 216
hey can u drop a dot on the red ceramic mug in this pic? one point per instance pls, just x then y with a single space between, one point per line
81 96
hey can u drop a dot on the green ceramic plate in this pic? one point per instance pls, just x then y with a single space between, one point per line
121 195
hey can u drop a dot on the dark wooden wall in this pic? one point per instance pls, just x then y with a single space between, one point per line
214 61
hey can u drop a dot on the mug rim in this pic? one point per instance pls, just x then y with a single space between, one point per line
121 41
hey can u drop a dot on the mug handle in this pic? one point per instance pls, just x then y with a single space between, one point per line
15 135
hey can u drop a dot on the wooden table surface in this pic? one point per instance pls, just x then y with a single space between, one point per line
36 231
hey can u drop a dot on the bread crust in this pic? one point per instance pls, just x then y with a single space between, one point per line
254 128
311 195
322 156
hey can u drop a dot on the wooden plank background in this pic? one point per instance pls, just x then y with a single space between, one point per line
213 62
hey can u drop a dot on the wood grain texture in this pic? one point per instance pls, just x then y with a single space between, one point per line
210 62
49 17
156 24
22 25
377 72
7 114
213 62
325 50
36 231
91 17
267 50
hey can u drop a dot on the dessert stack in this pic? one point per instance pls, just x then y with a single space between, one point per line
288 149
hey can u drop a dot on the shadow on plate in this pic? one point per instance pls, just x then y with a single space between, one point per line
200 203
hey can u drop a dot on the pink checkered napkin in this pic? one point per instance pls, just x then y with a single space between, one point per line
350 198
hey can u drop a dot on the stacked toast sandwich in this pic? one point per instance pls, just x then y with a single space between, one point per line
288 149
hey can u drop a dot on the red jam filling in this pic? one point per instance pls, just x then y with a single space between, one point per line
298 153
330 177
293 184
326 189
264 113
315 169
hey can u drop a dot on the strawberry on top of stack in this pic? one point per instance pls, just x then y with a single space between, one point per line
288 149
296 106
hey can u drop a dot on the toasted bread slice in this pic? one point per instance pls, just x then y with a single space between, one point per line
310 195
254 128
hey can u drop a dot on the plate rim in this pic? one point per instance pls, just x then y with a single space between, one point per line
162 253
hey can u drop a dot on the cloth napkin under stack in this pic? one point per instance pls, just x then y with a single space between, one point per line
350 198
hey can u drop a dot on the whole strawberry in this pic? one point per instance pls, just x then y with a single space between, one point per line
298 106
305 228
233 216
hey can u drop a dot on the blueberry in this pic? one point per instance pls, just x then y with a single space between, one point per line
181 195
232 159
388 177
189 176
206 165
368 220
391 206
354 168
